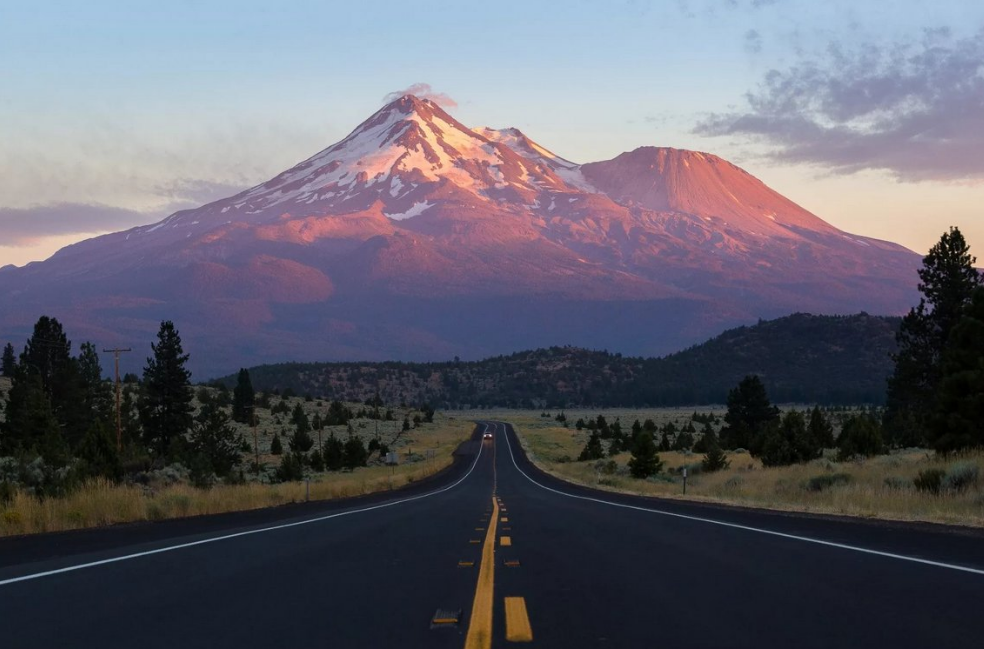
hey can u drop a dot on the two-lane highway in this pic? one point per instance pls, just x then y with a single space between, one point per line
522 556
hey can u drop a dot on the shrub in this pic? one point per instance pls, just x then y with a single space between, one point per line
826 481
734 482
714 460
897 483
961 476
930 480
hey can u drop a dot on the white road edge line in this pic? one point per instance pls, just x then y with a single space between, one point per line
747 528
226 537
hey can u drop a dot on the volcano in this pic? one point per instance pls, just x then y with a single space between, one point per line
418 238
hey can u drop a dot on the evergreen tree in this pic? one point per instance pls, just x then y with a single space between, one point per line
215 439
406 424
821 429
947 281
165 399
787 442
355 453
301 441
276 446
243 398
615 446
644 461
48 355
334 454
749 412
714 459
861 436
684 441
664 442
9 363
291 467
708 439
958 421
98 451
592 450
300 420
30 426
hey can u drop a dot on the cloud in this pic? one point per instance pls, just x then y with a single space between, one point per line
914 109
424 91
184 193
753 41
27 226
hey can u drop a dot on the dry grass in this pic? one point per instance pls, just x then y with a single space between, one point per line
101 503
880 487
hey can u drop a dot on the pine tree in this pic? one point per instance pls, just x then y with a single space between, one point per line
714 459
861 436
592 450
708 439
749 412
243 398
334 454
355 453
300 421
947 281
958 421
165 399
30 425
98 451
9 363
644 461
276 446
786 442
215 440
821 429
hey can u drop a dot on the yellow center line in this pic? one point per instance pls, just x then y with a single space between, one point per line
480 621
518 627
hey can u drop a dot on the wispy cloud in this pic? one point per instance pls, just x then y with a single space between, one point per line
424 91
915 109
27 226
753 41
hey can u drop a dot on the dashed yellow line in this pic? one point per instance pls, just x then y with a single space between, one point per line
504 520
505 541
518 627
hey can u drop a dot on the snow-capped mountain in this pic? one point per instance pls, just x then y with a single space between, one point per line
418 237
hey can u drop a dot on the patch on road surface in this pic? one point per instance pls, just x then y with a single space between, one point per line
445 618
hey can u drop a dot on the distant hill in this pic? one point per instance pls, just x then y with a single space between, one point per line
801 358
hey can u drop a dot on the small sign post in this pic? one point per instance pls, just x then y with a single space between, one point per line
684 481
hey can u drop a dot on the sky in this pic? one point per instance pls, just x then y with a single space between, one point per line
115 114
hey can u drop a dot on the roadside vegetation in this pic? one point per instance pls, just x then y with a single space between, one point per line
921 457
902 484
186 450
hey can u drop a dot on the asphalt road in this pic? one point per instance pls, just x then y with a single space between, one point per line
580 568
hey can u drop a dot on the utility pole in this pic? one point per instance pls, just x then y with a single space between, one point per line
119 424
256 439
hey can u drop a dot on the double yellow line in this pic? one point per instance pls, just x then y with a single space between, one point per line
480 623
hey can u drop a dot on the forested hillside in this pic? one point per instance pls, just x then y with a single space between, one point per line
802 357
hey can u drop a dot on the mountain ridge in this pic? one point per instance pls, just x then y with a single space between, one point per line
418 212
801 358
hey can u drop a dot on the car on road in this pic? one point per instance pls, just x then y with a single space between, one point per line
487 435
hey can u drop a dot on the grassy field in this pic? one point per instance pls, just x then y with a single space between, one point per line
424 451
880 487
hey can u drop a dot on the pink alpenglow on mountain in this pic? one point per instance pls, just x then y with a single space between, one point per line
417 238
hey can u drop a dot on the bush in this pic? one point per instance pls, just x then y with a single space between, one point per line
960 476
826 481
714 460
930 480
897 483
